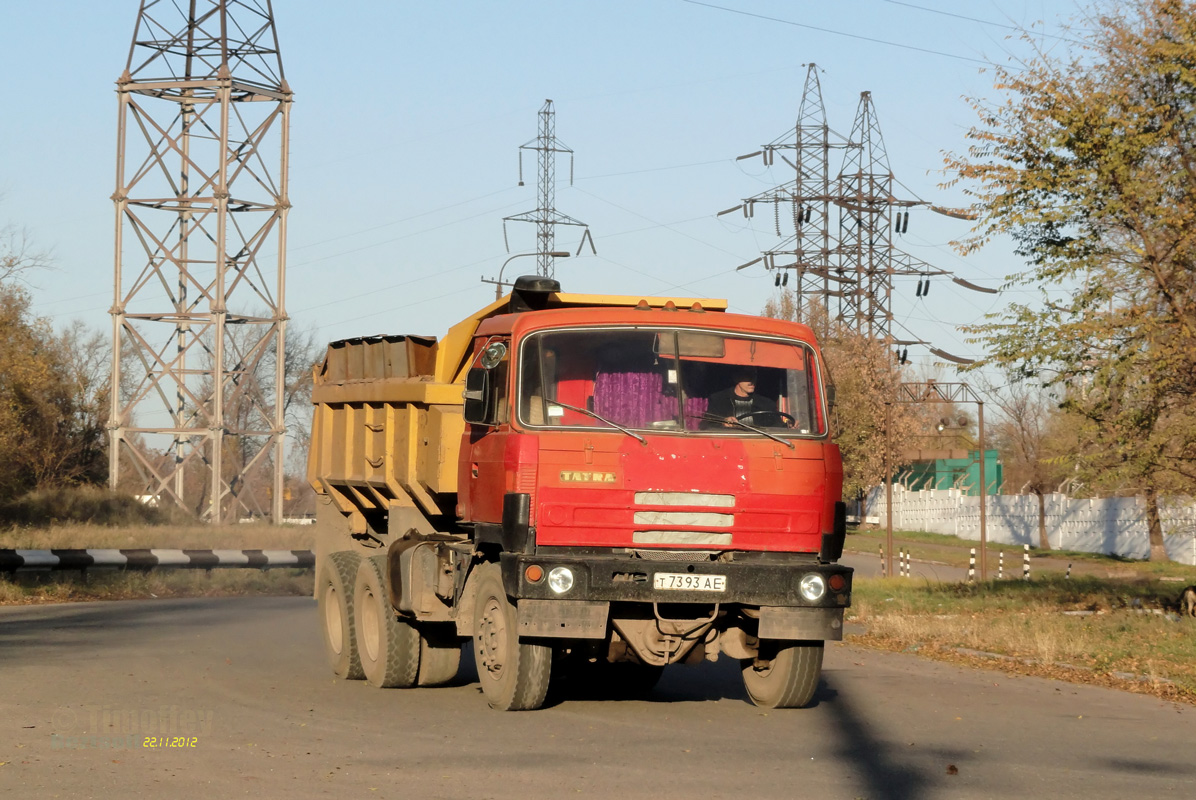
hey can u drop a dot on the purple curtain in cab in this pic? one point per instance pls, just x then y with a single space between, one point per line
695 407
636 399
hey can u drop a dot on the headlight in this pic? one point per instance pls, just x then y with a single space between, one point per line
560 579
812 587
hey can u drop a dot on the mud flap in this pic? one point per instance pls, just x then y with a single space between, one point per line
801 623
832 543
563 619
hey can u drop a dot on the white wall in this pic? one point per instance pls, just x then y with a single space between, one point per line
1113 525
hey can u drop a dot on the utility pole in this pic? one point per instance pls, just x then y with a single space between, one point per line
199 313
546 217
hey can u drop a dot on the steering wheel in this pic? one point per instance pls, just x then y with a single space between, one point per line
769 418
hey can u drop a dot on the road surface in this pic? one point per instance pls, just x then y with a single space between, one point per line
85 685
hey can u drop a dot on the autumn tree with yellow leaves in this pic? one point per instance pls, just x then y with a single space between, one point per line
1088 161
866 376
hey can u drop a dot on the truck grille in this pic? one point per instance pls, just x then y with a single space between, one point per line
675 555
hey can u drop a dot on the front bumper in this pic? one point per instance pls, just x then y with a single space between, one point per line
621 579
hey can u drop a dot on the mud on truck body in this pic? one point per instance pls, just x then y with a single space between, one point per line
547 481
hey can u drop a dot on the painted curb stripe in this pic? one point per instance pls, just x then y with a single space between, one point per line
143 559
37 559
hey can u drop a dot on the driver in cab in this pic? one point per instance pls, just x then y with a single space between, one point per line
739 401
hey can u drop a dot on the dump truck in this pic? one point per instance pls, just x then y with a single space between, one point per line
565 481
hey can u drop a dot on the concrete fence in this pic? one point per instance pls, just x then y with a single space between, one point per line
34 560
1111 525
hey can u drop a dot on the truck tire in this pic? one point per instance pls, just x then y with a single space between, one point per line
789 678
439 656
388 646
514 674
334 598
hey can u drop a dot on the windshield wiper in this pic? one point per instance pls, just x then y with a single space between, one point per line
600 418
745 426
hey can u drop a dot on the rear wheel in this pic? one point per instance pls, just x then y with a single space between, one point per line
514 674
785 675
334 598
389 647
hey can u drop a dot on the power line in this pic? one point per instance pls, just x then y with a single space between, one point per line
841 33
977 20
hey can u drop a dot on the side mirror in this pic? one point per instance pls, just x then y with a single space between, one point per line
830 397
476 385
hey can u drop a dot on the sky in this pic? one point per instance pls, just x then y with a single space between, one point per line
408 118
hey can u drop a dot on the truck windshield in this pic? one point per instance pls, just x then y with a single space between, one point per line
669 380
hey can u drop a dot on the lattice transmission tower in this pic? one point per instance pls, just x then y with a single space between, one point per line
803 202
199 316
842 248
546 217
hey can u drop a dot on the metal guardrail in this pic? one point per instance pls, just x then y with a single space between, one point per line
145 560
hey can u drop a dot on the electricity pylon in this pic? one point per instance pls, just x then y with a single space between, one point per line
546 217
198 318
843 256
803 202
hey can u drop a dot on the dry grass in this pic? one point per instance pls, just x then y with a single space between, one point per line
256 536
69 587
90 504
1116 639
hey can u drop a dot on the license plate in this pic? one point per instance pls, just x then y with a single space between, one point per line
684 582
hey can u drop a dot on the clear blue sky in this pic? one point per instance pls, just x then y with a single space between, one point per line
408 117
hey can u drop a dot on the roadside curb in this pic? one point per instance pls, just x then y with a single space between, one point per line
148 559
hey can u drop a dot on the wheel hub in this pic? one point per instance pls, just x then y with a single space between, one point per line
370 619
332 620
492 637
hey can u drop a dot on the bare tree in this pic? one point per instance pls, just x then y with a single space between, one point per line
18 256
1029 432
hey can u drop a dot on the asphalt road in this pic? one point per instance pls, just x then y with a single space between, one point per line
84 685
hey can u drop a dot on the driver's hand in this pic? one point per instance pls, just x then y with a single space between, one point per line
728 422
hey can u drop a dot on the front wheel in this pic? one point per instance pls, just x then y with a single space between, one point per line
784 675
514 674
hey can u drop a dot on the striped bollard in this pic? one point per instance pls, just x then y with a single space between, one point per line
908 570
1068 574
1000 565
1025 562
901 562
882 562
972 566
